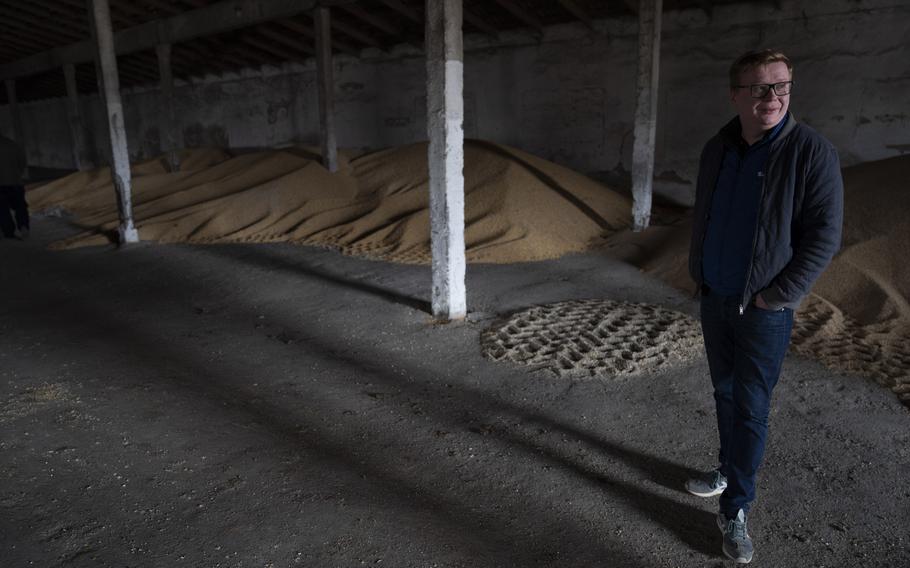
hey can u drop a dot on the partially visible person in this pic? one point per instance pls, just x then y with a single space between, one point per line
12 190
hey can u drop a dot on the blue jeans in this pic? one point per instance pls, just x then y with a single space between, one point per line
745 353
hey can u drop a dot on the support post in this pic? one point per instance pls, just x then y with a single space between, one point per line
326 88
649 19
15 114
168 124
81 154
445 117
120 159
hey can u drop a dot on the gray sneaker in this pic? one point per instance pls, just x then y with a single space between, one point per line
737 544
707 484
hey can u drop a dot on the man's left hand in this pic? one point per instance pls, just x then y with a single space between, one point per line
760 303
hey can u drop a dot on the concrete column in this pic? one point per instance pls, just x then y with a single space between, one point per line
15 115
100 142
649 18
120 159
326 87
168 122
445 117
81 154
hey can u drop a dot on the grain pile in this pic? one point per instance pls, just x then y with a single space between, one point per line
518 207
857 318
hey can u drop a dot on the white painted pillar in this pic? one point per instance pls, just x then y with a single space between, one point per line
326 88
120 159
168 122
445 117
649 19
81 155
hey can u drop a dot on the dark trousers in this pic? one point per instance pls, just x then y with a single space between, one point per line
745 353
13 197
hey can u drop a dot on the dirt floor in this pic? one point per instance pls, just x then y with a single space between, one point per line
275 405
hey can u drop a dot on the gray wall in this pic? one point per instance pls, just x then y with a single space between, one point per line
569 98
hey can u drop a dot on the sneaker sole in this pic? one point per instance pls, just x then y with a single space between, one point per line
709 494
736 560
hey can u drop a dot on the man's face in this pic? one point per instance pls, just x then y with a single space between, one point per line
757 115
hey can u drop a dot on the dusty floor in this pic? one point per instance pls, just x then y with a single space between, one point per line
272 405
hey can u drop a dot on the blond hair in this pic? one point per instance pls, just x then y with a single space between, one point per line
755 59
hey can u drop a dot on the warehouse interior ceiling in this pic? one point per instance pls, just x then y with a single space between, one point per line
40 26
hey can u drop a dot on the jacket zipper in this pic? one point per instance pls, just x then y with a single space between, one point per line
761 198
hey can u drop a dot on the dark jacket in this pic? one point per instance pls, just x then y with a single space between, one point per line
12 162
800 213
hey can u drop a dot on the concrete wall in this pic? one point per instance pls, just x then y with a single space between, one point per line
569 98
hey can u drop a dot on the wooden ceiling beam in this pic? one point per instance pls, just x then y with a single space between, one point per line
374 20
24 42
76 5
37 22
573 8
216 18
304 30
522 15
129 73
274 33
405 10
204 58
479 23
232 53
213 51
72 12
354 33
165 7
21 43
137 68
198 58
149 60
204 54
49 37
131 11
265 46
49 17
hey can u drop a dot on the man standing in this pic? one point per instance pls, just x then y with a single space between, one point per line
12 191
768 215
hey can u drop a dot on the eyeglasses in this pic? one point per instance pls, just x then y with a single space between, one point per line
760 91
